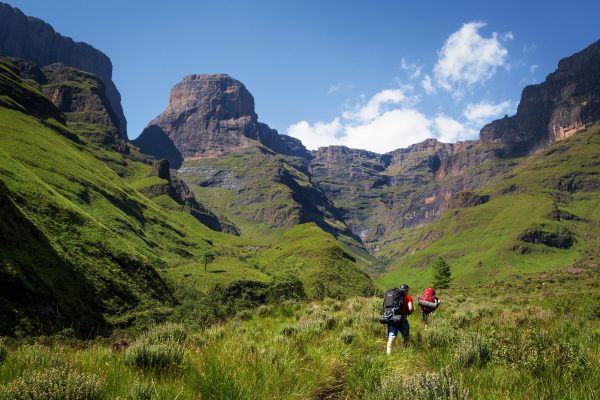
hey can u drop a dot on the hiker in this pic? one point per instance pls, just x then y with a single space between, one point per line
397 306
428 303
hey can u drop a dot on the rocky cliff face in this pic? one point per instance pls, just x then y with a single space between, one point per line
567 102
211 116
379 194
34 40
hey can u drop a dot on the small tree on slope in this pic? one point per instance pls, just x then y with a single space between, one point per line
441 274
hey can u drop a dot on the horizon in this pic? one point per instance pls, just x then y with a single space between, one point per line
471 69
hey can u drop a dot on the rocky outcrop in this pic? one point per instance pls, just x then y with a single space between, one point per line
211 116
81 97
179 191
32 39
379 194
469 199
567 102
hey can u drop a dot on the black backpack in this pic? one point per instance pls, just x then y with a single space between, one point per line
393 306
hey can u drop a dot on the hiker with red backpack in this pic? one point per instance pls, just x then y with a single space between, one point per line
428 302
397 306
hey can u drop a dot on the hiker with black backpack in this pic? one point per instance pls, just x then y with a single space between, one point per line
397 306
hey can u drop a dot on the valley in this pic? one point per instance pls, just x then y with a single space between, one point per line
213 257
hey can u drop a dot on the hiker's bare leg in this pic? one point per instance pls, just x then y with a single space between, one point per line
390 344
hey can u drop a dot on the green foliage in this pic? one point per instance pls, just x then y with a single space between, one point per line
439 386
473 350
347 335
508 347
54 384
441 274
158 349
140 390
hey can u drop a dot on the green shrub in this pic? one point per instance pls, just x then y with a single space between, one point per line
439 335
244 315
473 350
428 386
166 332
288 330
215 333
347 336
54 384
36 356
140 390
145 354
263 310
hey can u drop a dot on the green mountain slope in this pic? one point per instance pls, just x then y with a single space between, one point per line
543 214
81 246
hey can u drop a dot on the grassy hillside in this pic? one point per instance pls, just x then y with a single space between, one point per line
543 214
82 247
483 343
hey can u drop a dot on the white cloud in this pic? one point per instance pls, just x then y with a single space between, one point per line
334 88
413 70
508 36
533 68
484 110
318 135
377 104
467 58
392 130
450 130
428 85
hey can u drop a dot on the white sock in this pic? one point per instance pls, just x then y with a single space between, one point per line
389 350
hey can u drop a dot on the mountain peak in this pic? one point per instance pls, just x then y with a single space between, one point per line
210 115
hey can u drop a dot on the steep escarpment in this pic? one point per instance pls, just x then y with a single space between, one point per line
32 39
567 102
211 116
245 170
380 194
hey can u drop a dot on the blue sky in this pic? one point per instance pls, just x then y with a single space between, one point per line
376 75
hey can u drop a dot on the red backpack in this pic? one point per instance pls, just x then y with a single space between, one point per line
428 296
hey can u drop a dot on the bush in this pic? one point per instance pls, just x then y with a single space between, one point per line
54 384
166 332
37 356
288 330
244 315
263 310
438 386
140 390
473 350
145 354
439 335
347 336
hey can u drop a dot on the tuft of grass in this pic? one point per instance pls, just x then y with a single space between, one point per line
54 384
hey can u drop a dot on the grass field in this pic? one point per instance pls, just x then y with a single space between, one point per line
529 338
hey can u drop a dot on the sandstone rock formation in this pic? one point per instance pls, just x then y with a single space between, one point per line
213 115
34 40
567 102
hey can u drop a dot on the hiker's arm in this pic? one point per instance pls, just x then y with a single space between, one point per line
410 307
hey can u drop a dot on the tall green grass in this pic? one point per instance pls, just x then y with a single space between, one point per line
515 339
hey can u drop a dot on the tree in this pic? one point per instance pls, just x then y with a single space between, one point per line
441 274
208 258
